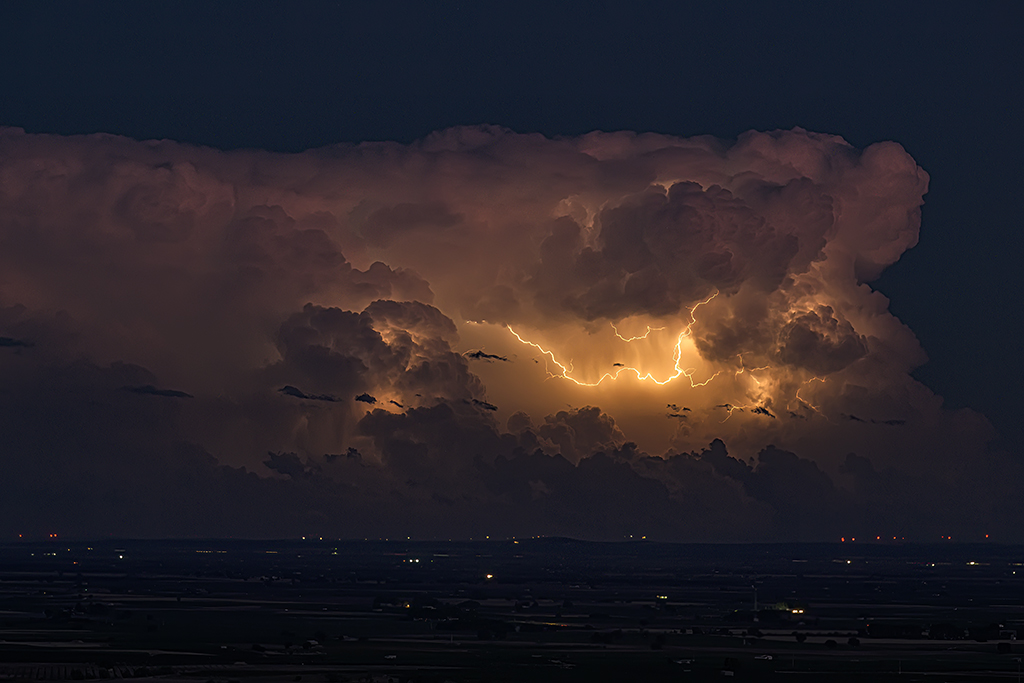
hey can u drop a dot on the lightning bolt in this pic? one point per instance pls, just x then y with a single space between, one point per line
643 336
566 371
730 408
805 401
750 371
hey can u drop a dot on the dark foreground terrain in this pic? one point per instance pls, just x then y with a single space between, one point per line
528 610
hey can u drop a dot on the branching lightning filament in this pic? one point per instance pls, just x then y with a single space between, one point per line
565 371
750 371
804 400
643 336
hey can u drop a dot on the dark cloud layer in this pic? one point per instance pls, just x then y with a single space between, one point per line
196 342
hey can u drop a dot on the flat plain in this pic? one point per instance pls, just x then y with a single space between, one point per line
533 609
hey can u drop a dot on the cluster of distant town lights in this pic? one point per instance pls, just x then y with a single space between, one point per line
895 538
120 554
513 539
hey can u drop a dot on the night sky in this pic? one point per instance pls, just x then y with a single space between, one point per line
356 288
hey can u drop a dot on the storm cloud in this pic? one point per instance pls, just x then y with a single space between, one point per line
338 301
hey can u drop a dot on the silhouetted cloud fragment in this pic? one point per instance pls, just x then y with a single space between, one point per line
887 423
482 404
481 355
298 393
366 398
12 343
351 454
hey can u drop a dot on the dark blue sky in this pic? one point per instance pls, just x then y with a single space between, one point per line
943 79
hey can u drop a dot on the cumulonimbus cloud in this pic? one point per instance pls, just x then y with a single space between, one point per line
280 293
